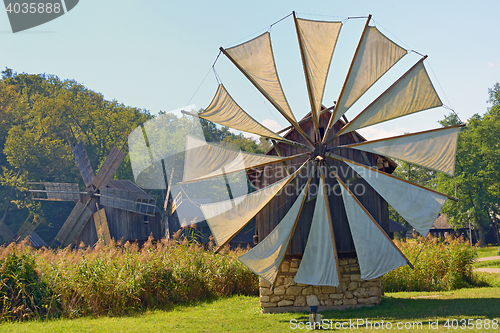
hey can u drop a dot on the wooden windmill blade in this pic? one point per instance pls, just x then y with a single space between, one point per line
126 200
48 191
73 225
82 160
108 169
101 227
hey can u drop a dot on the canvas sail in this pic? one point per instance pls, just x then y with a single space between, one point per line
435 149
206 160
407 199
319 266
225 111
376 254
265 258
317 40
255 59
413 92
375 56
227 218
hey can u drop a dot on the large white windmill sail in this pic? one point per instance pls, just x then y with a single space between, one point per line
227 218
207 160
412 93
317 40
376 253
255 59
225 111
407 199
434 149
265 258
375 55
319 264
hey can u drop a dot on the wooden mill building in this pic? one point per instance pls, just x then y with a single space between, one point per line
272 214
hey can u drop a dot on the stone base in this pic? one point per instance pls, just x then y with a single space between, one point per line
288 296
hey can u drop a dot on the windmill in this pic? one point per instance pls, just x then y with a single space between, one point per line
324 150
100 191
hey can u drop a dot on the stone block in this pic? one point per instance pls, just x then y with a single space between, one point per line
365 284
285 302
312 300
317 290
350 302
348 294
265 291
289 297
268 305
264 283
288 281
323 297
329 302
275 299
343 262
300 301
355 277
352 286
353 261
307 291
363 300
374 291
293 290
361 292
293 269
336 296
279 290
321 302
285 266
264 298
328 289
279 281
295 264
338 302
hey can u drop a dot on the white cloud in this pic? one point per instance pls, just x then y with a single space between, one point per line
272 125
490 64
377 133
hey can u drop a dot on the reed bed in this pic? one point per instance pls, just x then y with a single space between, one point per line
116 279
441 265
125 278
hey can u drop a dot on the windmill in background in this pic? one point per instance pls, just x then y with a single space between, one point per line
123 200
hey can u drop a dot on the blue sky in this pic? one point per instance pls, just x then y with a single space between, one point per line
157 54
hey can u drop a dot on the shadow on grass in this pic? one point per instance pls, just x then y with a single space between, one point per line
408 309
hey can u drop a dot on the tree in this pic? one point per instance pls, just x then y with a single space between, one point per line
37 113
476 182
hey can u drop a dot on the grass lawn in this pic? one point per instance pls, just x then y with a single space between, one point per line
242 314
489 263
487 251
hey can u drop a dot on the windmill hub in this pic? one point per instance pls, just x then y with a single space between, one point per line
319 151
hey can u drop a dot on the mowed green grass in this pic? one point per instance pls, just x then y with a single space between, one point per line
242 314
487 251
488 263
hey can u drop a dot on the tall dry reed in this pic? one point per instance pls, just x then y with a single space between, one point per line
124 278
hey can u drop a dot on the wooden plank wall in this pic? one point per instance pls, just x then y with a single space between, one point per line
270 216
123 225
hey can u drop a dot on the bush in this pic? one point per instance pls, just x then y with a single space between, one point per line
441 265
24 295
117 279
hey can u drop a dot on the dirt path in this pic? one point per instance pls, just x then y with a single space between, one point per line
487 269
488 258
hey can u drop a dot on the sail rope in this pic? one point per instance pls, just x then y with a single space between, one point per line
199 86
